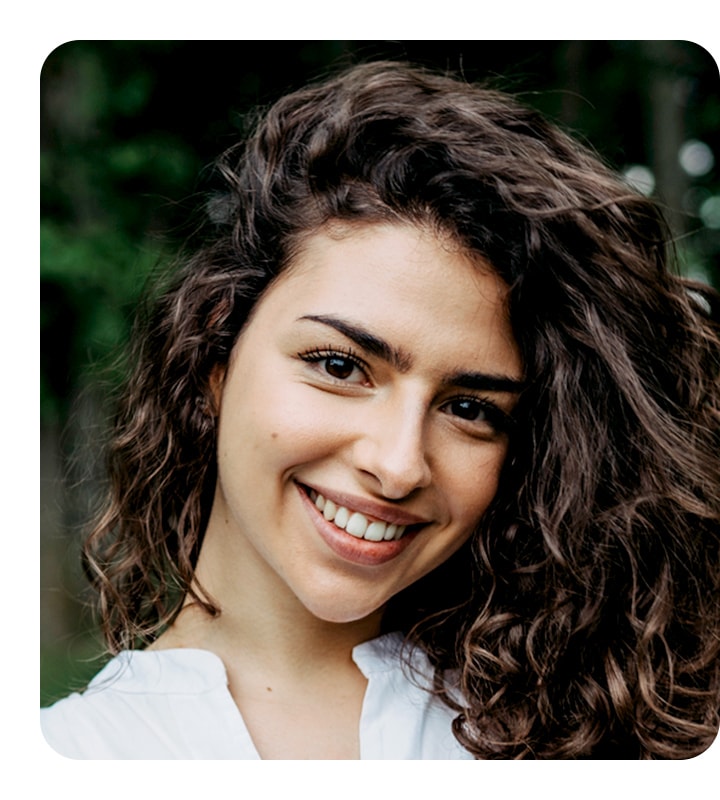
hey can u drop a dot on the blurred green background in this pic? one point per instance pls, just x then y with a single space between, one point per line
127 128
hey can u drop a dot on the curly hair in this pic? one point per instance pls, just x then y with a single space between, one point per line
582 619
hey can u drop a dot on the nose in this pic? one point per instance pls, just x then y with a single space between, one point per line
391 449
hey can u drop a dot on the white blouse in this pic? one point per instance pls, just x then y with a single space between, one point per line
175 704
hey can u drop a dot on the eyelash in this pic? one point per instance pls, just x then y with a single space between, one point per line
317 355
496 417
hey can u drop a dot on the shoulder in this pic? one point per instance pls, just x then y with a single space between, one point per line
164 704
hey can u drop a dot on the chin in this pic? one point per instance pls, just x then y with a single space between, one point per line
345 612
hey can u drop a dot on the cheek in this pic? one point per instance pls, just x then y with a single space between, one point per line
473 483
280 426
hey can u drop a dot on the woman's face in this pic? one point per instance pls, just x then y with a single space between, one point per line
363 421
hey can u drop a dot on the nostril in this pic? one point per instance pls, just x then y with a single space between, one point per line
397 465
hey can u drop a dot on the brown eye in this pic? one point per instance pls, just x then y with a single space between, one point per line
482 414
466 409
340 368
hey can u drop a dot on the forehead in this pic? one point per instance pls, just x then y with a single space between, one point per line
381 257
406 283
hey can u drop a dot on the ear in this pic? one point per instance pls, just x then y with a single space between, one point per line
216 383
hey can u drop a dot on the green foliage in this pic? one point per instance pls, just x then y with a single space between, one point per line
68 667
103 205
90 283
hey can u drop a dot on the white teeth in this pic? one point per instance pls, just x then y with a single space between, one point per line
329 510
355 523
390 532
342 515
376 531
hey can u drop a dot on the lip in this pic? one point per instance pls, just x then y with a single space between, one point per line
350 548
378 511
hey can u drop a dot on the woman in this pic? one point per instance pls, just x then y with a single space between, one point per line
418 458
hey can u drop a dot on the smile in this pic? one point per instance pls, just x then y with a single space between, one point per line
356 523
360 530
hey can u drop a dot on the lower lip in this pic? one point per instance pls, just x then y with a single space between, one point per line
350 548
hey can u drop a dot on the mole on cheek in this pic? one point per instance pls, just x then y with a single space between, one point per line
274 435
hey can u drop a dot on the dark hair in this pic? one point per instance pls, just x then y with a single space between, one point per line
583 618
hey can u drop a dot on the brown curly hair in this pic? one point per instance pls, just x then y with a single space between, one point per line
583 617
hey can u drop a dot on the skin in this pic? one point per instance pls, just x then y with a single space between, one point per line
351 379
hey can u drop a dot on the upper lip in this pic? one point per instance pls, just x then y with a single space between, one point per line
370 508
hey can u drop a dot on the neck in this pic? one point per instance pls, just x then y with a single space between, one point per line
267 642
261 621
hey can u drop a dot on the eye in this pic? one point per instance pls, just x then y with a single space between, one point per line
466 409
340 366
481 413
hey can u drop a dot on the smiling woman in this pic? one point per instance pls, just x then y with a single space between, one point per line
369 421
418 459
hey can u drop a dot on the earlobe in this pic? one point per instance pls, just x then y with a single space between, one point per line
216 383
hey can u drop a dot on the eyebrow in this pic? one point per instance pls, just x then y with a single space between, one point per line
483 382
402 361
